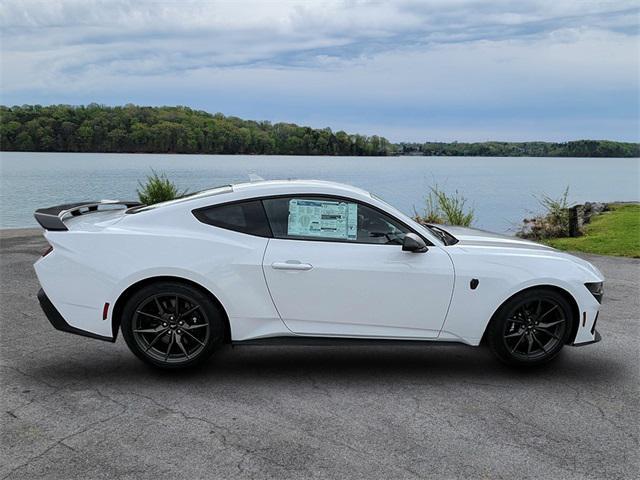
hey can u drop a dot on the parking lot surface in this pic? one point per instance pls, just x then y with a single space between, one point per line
77 408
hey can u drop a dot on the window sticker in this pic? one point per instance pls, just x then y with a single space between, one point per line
323 219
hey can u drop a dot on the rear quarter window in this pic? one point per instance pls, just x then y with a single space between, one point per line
245 217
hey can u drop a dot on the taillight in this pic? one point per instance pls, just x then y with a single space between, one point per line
47 251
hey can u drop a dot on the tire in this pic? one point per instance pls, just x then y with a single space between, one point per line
172 325
530 328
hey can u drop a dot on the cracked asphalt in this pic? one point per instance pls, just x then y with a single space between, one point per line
74 407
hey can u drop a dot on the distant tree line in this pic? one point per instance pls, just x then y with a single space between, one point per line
578 148
135 129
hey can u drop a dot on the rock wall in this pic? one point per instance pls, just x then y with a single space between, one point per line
579 215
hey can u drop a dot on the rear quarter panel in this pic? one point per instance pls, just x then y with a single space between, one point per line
88 269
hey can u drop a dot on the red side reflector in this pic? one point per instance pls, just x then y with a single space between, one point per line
105 311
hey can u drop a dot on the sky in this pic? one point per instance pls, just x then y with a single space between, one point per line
431 70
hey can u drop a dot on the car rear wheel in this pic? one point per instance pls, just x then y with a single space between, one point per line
172 325
531 328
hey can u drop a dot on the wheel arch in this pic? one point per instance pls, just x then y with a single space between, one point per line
116 314
575 311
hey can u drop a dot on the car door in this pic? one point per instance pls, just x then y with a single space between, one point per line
335 267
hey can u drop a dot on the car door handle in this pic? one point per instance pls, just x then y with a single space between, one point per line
291 265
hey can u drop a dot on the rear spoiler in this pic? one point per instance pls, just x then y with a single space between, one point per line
50 218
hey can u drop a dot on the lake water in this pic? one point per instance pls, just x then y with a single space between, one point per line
500 189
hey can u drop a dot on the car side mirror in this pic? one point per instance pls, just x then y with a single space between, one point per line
413 243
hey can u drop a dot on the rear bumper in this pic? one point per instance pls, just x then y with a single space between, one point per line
59 323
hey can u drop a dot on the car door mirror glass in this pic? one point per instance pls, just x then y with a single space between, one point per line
413 243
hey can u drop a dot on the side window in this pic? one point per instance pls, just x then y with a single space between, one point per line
378 227
246 217
319 218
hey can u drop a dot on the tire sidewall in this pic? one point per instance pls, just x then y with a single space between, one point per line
216 324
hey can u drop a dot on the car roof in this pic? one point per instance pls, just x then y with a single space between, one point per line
274 186
261 188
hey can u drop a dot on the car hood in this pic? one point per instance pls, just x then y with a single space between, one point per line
481 238
472 236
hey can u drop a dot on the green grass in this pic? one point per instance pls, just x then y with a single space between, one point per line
616 232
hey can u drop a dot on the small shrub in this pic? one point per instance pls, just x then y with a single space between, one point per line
557 210
158 188
453 208
431 213
552 223
441 207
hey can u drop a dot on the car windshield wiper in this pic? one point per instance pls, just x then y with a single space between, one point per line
438 233
443 235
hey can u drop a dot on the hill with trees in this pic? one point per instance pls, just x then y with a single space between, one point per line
136 129
578 148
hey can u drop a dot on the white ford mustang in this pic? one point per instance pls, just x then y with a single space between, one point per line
304 262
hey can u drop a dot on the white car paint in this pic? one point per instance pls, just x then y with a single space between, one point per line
359 290
350 290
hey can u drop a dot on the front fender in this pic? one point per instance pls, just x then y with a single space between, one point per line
502 276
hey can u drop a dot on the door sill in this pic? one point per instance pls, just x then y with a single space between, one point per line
336 341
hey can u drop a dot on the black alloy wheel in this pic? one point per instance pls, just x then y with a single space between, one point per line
531 328
171 325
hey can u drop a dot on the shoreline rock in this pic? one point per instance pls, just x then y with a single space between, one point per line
569 223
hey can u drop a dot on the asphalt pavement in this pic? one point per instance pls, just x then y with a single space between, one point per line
77 408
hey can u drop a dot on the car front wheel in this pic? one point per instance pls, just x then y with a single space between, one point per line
171 325
530 328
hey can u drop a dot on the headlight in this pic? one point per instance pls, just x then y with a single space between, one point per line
596 289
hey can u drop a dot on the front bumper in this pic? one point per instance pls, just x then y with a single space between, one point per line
59 323
596 335
597 338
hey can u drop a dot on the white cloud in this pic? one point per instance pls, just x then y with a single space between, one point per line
327 61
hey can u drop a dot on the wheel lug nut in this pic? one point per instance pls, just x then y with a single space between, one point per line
179 331
164 324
